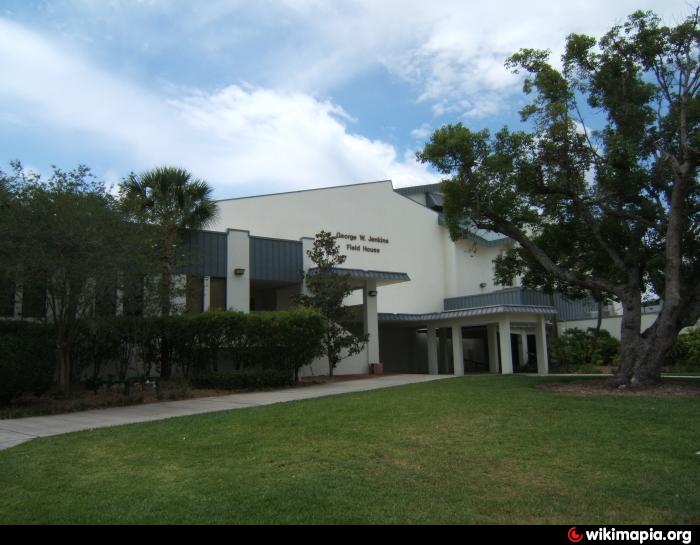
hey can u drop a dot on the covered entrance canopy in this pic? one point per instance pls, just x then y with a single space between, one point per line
368 281
499 321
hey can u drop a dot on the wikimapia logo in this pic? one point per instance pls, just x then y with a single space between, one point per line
636 536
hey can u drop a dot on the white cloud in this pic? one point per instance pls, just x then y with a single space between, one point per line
452 51
238 136
278 134
422 132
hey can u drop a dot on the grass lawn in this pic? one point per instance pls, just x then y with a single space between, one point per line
469 450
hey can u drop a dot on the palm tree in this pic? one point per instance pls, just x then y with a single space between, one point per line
171 199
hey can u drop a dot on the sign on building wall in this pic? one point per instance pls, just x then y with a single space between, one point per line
362 243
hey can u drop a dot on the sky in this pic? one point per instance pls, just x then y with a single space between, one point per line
261 97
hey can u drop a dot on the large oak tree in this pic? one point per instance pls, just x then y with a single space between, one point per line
602 193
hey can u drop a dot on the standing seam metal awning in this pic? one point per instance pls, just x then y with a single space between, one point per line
466 313
383 278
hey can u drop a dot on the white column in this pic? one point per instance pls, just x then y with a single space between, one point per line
238 257
522 344
506 354
432 351
541 343
457 350
492 334
443 353
206 293
371 321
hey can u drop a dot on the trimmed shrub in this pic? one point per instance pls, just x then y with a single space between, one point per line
686 351
279 340
250 379
270 347
27 359
576 348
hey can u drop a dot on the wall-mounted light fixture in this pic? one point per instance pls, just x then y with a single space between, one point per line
239 272
482 285
372 293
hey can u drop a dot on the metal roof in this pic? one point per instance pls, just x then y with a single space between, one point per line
481 236
434 200
412 189
467 313
384 277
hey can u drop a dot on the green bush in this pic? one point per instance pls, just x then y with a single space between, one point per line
576 349
27 359
251 379
686 351
280 340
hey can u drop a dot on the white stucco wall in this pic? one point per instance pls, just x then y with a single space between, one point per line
611 324
475 266
416 241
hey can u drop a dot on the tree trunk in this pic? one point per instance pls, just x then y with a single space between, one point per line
599 323
632 345
643 354
166 279
165 363
64 365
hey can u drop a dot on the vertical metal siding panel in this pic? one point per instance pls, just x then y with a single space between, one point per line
205 254
280 255
254 272
285 256
253 258
275 260
266 265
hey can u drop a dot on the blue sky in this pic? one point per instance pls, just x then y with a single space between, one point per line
257 97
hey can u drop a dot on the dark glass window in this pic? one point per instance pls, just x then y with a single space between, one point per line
217 293
195 294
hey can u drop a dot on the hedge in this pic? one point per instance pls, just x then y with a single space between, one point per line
261 347
199 343
27 359
282 340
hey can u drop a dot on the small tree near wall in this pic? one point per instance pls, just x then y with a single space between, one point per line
327 289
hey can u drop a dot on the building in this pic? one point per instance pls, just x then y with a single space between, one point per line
429 304
417 290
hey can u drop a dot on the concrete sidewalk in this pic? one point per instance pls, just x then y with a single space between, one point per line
18 430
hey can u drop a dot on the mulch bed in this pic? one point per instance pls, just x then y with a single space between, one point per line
601 387
83 400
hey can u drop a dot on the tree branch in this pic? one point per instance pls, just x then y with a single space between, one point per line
594 284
